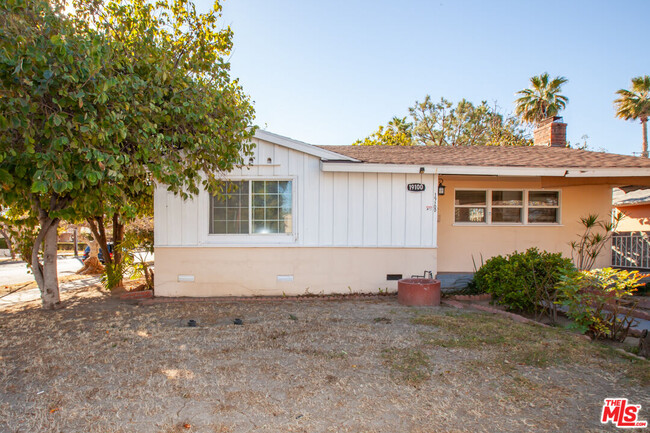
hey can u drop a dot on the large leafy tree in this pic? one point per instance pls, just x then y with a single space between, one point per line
542 99
99 105
193 47
634 104
445 124
398 132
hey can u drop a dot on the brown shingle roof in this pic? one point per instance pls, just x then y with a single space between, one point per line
490 156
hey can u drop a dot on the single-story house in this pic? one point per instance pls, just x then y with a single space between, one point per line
326 219
634 204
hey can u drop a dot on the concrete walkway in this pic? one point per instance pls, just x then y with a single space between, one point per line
35 294
16 272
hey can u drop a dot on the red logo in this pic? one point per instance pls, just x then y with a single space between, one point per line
621 414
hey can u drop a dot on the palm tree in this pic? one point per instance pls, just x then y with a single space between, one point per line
635 104
542 99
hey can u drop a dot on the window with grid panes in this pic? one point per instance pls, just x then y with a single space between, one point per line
543 207
253 207
507 206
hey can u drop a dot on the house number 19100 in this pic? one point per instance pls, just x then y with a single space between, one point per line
415 187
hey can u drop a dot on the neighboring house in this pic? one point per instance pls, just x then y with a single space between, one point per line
635 207
67 235
631 242
345 218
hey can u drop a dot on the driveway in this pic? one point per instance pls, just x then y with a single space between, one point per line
16 272
35 294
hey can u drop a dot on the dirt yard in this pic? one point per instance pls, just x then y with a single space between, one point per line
299 366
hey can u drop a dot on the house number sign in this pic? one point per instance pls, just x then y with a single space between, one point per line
417 187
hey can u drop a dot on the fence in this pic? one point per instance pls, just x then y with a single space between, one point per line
631 250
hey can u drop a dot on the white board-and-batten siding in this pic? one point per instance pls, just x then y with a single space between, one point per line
330 209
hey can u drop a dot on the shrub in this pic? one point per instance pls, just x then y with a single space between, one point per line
593 239
133 249
472 289
586 294
113 275
524 282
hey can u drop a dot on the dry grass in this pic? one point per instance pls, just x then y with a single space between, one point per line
410 364
370 365
505 343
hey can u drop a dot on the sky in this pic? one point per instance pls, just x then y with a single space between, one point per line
331 72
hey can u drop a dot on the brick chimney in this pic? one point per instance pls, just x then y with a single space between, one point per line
550 132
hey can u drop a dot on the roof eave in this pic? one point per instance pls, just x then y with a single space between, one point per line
303 147
333 166
632 204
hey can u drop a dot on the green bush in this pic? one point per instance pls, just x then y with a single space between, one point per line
471 289
594 299
524 282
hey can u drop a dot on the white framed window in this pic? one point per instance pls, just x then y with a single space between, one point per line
543 207
471 206
253 207
506 206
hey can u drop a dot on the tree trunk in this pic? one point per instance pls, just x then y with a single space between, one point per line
46 273
118 237
99 232
644 126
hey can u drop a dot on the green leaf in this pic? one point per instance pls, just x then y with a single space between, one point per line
6 179
39 187
59 186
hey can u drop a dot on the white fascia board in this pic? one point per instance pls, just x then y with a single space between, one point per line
631 204
607 172
482 170
301 146
440 169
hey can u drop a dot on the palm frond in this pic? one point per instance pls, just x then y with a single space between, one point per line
542 99
635 103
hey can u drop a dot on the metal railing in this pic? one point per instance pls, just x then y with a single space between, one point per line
631 250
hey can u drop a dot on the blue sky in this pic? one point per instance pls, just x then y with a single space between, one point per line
332 72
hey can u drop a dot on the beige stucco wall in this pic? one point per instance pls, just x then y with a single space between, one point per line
635 219
234 271
458 243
